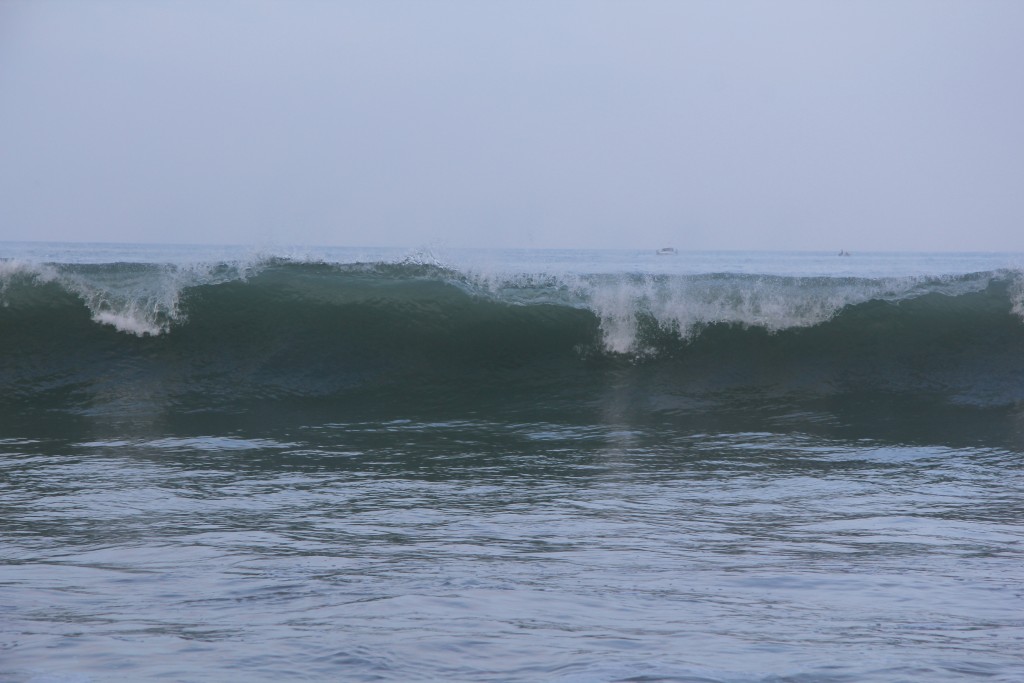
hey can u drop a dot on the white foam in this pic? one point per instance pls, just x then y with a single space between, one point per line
12 269
146 300
128 323
684 304
1016 292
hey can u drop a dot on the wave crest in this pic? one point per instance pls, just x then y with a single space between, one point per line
279 327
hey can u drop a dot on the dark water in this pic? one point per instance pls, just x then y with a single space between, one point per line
407 470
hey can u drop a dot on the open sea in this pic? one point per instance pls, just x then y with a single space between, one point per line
229 464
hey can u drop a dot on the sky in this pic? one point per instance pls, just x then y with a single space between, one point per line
870 125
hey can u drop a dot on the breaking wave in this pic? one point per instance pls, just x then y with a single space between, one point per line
274 327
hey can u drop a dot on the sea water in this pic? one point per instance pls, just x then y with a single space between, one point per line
222 463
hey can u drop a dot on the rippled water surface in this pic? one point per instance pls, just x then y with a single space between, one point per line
488 551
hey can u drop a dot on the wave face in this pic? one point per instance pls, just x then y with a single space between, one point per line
120 337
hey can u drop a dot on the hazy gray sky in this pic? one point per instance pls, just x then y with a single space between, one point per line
861 125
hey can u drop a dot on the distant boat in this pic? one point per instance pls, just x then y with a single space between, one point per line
843 252
667 251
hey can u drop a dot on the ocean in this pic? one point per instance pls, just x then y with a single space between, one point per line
239 464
